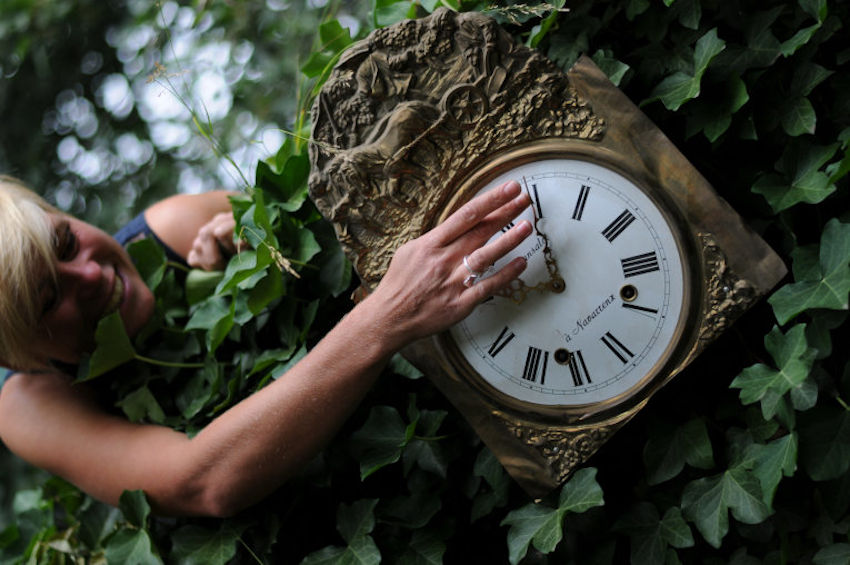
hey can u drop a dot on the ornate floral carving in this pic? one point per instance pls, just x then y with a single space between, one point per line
563 449
727 295
414 107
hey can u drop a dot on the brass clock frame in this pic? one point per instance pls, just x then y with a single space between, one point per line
414 114
686 331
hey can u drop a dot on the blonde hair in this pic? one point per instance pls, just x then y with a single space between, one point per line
27 259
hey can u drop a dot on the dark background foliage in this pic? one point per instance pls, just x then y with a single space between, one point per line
742 459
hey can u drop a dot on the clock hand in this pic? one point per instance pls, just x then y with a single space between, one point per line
517 290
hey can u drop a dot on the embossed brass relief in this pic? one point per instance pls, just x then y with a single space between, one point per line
410 121
411 109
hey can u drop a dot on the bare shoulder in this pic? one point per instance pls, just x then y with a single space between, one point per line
23 388
29 397
177 219
53 423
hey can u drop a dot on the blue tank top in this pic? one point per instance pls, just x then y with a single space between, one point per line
137 228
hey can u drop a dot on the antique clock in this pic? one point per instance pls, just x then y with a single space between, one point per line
636 264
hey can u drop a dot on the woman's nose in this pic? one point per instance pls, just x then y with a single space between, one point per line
84 275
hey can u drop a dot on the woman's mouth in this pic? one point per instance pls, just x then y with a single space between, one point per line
117 296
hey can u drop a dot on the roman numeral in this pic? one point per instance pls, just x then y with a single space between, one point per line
640 308
582 200
537 206
640 264
616 227
621 351
507 227
504 338
578 369
535 364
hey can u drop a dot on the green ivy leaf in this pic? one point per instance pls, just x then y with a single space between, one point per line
361 551
542 525
805 396
825 442
680 87
200 285
134 505
96 522
200 389
792 356
141 405
269 288
113 348
308 247
818 10
840 168
807 76
614 69
215 315
131 546
357 519
707 502
800 178
425 548
401 366
799 117
675 530
651 536
829 288
334 39
195 545
489 468
381 440
818 332
150 260
834 554
411 512
773 461
388 12
669 448
424 448
690 13
334 268
540 30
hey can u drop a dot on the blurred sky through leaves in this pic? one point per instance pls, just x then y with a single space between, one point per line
97 97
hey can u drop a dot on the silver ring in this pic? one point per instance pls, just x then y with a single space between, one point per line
473 275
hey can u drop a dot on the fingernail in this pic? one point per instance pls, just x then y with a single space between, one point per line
511 188
524 227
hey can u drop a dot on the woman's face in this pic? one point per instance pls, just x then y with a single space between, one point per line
95 277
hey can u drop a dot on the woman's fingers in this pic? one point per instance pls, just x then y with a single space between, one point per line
214 243
481 259
483 215
478 263
500 279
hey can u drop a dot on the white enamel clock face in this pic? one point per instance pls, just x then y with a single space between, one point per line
623 302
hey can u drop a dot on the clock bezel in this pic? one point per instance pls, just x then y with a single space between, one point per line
686 327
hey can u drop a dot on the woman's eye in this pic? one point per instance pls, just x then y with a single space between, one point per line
66 246
49 302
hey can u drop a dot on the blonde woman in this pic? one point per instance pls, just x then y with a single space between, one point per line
59 276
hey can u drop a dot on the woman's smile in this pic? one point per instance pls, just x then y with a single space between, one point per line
95 277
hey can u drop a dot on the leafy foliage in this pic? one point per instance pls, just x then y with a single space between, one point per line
744 458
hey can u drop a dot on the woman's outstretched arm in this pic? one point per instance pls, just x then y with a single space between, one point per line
248 451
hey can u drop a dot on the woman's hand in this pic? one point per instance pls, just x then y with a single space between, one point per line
424 290
214 244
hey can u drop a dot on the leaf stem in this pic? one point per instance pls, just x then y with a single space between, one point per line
432 438
177 265
248 548
173 364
